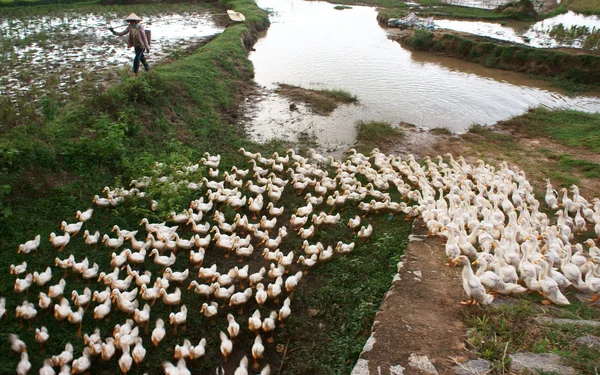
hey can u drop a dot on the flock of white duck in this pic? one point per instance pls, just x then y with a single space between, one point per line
489 216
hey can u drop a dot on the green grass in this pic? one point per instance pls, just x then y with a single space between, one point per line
571 128
496 332
375 134
321 102
587 168
490 135
336 316
584 6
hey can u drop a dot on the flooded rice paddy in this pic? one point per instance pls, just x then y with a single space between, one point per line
56 53
537 35
314 46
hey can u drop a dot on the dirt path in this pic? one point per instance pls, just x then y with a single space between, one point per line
419 320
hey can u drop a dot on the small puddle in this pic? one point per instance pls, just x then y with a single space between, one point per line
312 45
538 35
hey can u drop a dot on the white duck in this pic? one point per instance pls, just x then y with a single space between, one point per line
472 285
159 333
30 245
226 345
549 287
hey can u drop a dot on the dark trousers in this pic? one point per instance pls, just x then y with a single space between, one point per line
139 56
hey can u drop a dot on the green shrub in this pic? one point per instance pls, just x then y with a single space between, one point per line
421 40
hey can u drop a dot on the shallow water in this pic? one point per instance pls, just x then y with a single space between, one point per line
312 45
536 35
76 44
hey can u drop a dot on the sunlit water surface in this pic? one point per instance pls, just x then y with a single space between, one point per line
312 45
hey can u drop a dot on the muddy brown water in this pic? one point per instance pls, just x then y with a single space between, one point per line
312 45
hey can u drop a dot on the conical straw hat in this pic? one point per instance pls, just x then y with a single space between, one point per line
133 17
236 16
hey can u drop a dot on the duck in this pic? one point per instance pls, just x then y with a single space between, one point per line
242 369
226 346
179 318
140 279
76 317
304 210
285 261
222 292
113 243
159 333
30 245
163 260
284 312
103 309
255 205
81 300
258 350
71 229
274 211
491 280
211 310
198 351
309 250
592 282
309 262
292 282
261 295
298 221
57 290
306 233
180 369
22 285
170 299
177 277
83 363
233 327
126 360
24 365
108 349
202 289
342 248
26 311
18 269
41 335
269 325
60 242
91 239
240 298
550 289
142 317
471 284
275 271
274 289
65 357
207 273
84 216
182 351
267 224
257 276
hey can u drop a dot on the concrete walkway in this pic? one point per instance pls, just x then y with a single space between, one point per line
418 329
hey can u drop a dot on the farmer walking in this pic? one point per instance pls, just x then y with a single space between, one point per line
137 39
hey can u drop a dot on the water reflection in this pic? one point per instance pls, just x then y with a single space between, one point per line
309 44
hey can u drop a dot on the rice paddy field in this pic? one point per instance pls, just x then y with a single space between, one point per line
58 53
